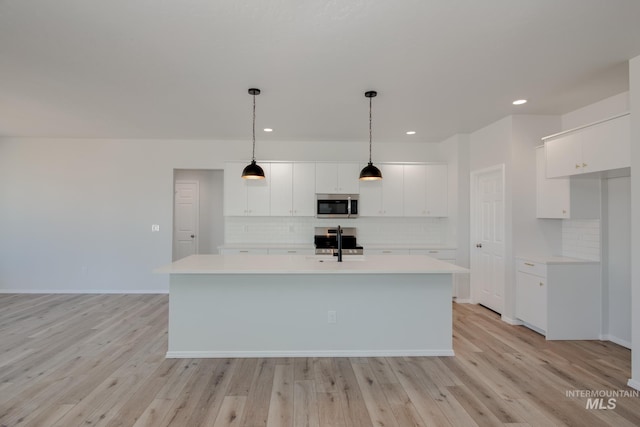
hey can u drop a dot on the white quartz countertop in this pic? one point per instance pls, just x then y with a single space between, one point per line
306 264
555 259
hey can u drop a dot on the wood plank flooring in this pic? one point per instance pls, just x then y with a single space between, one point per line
98 360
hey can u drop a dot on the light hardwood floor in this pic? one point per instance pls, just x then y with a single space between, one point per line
98 360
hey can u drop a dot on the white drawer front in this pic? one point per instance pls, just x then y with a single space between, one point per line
448 254
292 252
386 251
531 267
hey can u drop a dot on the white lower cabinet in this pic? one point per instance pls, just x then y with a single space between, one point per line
559 299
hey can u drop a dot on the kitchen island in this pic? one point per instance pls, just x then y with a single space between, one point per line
309 306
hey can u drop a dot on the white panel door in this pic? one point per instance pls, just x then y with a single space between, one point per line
488 234
185 220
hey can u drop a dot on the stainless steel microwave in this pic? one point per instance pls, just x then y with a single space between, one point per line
336 205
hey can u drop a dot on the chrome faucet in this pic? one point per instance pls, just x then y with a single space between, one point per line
339 238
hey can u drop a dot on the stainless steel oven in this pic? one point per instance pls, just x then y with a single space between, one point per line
336 205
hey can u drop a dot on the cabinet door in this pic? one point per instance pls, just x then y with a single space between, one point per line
304 189
606 145
415 190
348 178
235 190
370 202
553 197
563 156
258 197
531 299
437 189
281 189
392 190
326 178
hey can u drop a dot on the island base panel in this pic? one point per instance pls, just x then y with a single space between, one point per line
288 315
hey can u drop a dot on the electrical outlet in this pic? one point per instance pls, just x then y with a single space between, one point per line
155 227
332 316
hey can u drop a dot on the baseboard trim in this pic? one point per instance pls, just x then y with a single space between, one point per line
310 353
510 321
616 340
463 301
633 384
84 291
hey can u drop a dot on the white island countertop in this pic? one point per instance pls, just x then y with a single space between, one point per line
306 264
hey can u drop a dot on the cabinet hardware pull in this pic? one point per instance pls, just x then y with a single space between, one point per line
577 166
529 264
564 211
541 284
244 252
386 252
433 252
584 165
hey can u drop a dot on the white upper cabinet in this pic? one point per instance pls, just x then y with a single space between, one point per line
337 178
383 197
292 189
281 189
553 196
246 197
304 184
602 146
425 190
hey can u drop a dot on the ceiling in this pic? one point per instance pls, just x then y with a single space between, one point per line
181 69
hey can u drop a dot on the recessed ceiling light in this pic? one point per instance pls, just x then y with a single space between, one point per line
411 132
268 130
520 102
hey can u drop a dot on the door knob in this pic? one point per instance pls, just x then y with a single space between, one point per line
478 245
193 235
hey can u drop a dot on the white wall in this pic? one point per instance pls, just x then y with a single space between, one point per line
617 262
76 214
634 85
455 152
511 141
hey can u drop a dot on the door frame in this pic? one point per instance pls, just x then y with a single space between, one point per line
473 226
197 216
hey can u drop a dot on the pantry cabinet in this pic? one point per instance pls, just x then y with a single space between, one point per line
602 146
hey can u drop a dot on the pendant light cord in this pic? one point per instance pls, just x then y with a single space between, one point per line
253 153
369 130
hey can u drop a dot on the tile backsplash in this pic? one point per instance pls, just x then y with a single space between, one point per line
299 230
581 239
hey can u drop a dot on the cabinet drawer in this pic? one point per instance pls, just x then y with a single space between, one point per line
531 267
448 254
248 251
292 252
387 251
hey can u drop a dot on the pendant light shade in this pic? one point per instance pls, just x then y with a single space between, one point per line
370 172
253 170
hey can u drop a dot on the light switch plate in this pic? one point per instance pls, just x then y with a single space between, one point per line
155 227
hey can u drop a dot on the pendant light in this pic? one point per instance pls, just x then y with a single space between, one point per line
253 170
370 172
